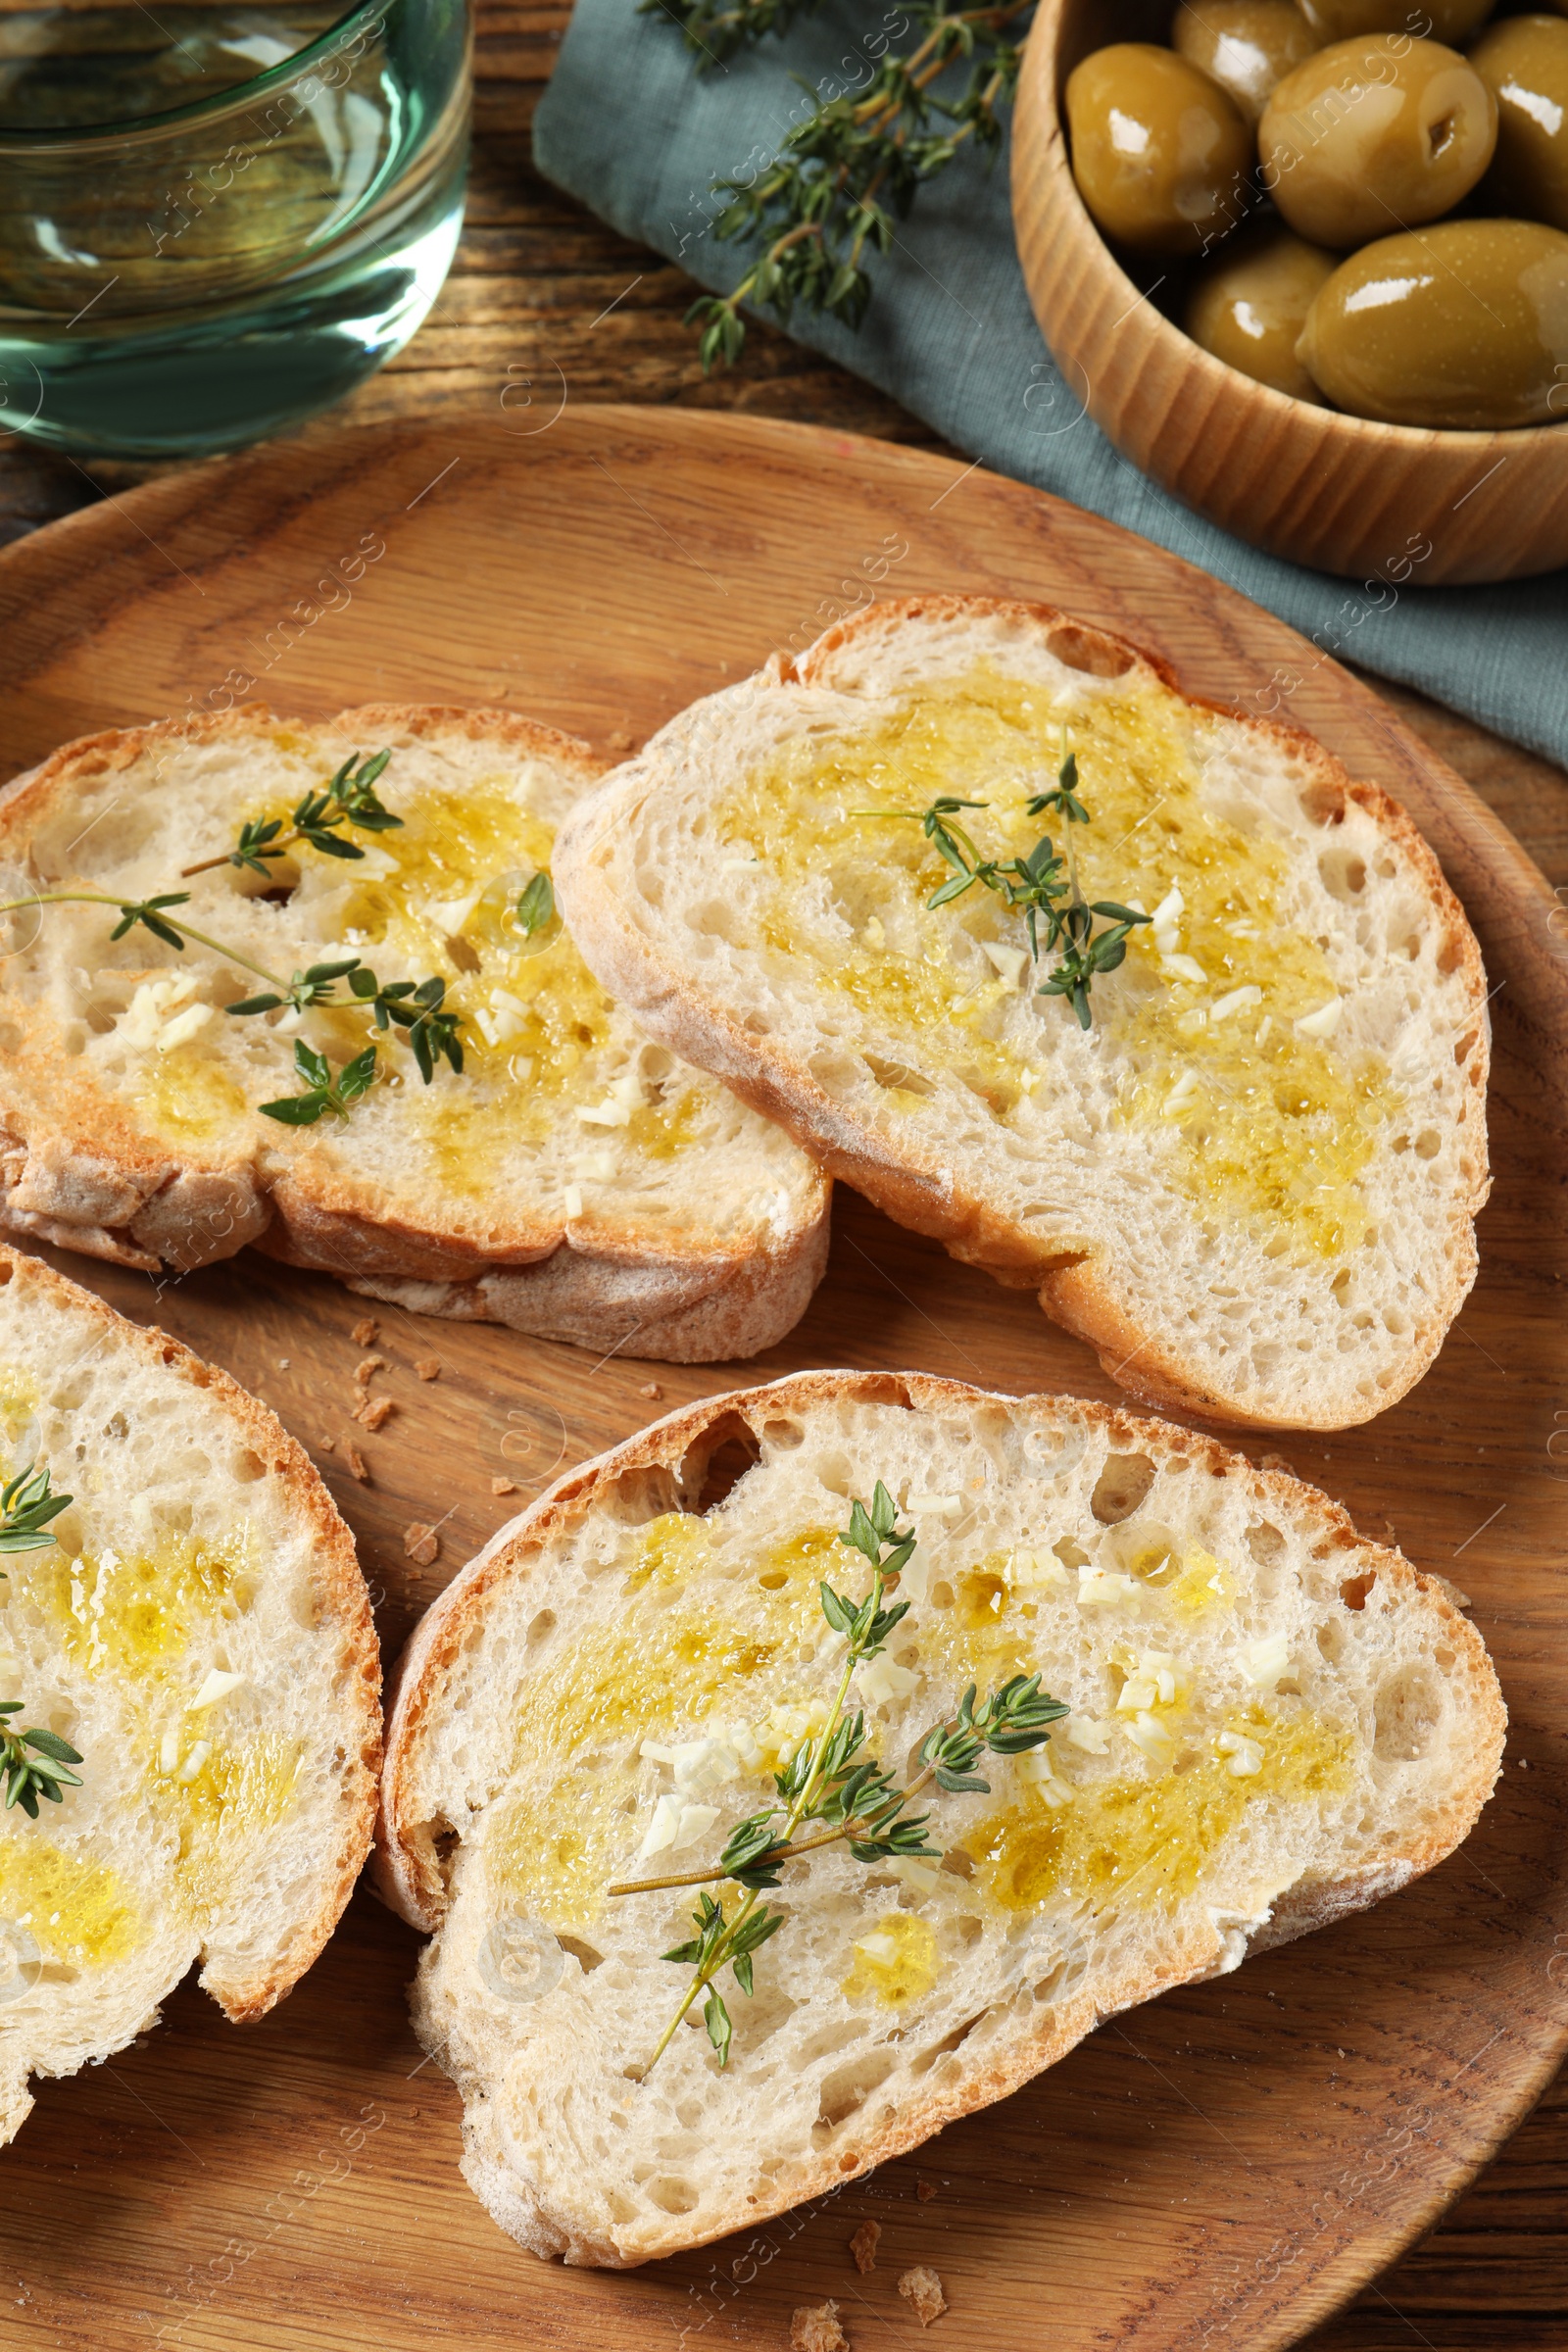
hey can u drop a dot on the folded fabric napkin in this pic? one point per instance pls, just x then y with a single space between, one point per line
630 128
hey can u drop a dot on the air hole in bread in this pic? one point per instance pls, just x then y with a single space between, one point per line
1465 1046
927 2059
845 2091
585 1956
1121 1486
1095 657
1428 1144
1265 1544
1354 1590
736 1453
671 2194
1344 874
540 1628
897 1077
784 1435
245 1467
463 955
1323 802
836 1072
1450 955
969 1929
1406 1715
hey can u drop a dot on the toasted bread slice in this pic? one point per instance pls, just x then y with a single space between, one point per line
198 1632
574 1181
1250 1184
1272 1722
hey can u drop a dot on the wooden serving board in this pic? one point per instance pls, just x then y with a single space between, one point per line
1222 2168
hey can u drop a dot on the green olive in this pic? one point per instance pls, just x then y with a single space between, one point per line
1465 324
1373 135
1524 64
1247 46
1438 20
1160 155
1251 305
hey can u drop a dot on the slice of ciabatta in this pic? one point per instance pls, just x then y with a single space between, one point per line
199 1633
1250 1184
575 1181
1272 1722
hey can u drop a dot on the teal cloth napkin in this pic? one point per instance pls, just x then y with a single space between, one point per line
633 131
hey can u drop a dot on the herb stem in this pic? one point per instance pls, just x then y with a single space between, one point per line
95 898
777 1854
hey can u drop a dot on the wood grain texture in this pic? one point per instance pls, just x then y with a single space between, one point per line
1341 493
1222 2168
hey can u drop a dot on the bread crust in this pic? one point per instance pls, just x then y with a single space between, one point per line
913 1181
78 1172
344 1611
408 1867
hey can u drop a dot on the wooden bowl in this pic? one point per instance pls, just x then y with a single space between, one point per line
1385 501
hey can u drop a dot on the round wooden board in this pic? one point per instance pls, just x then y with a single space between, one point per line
1223 2167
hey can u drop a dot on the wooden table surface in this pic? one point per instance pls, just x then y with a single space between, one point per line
539 286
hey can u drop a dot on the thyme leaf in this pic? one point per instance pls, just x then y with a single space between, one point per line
323 1093
536 908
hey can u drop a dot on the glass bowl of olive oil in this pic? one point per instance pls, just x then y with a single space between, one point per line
216 221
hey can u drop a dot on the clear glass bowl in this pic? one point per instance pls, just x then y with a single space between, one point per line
216 221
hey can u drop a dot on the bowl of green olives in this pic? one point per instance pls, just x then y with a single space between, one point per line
1310 261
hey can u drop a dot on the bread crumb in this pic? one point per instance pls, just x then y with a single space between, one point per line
421 1542
922 2288
503 1486
364 1332
428 1367
355 1462
374 1410
862 2245
652 1389
619 742
326 1444
1277 1461
814 2328
924 2189
282 1364
366 1372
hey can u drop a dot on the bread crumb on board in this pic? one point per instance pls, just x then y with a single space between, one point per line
355 1462
367 1369
503 1486
814 2328
326 1444
364 1331
921 2288
420 1543
428 1367
924 2189
374 1410
862 2245
651 1388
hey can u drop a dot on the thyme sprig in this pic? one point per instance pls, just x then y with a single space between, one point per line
1035 883
416 1006
27 1777
855 166
27 1504
831 1780
349 800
